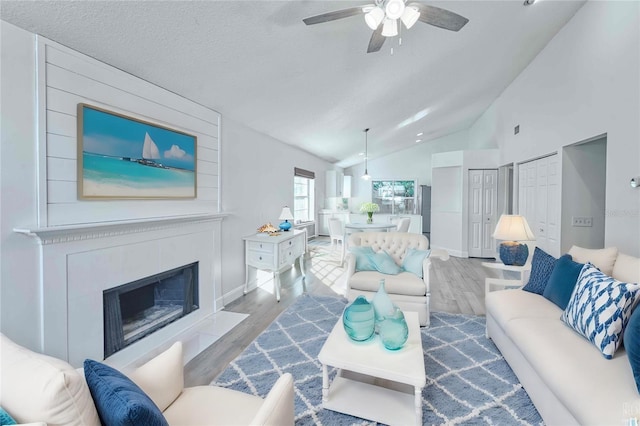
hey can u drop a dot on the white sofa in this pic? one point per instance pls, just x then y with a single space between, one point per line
39 388
406 290
566 376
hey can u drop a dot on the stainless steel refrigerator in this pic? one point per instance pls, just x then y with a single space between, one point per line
425 209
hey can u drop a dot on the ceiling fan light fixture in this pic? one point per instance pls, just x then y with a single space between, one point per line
410 16
374 18
390 28
394 9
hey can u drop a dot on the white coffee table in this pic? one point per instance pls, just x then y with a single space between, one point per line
374 383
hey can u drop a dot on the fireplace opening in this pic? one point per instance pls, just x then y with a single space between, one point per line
137 309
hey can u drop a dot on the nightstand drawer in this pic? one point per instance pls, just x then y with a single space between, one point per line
259 259
260 246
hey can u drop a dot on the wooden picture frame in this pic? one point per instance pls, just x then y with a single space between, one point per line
121 157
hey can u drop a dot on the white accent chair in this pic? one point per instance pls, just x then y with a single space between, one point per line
40 388
407 291
336 234
402 224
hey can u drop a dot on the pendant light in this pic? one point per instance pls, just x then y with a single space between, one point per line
366 176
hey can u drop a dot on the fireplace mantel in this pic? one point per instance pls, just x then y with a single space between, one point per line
85 231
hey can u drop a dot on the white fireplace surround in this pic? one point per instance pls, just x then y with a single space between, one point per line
78 262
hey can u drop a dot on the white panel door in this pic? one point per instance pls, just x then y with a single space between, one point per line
483 206
539 201
475 213
490 208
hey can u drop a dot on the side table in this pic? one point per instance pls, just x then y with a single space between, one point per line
505 283
274 254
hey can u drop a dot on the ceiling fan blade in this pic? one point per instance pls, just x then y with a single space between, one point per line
332 16
377 40
440 18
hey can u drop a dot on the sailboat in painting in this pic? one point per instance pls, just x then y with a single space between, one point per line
150 153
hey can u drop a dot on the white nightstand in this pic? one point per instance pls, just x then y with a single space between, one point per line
274 254
524 272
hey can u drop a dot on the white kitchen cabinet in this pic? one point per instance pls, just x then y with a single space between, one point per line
346 187
334 183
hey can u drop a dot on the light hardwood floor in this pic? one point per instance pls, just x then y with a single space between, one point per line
457 287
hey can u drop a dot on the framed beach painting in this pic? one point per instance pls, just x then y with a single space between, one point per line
123 157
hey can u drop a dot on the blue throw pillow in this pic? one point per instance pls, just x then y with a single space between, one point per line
632 344
5 418
120 401
562 281
413 261
363 258
542 265
600 308
384 263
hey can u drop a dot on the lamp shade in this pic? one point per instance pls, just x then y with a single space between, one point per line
410 16
394 9
390 27
286 214
374 18
513 228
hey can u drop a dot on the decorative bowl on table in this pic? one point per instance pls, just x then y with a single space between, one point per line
359 319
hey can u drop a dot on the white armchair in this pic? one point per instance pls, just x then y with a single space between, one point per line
407 291
40 388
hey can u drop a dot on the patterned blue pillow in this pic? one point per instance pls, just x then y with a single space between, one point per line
542 265
363 259
413 261
600 308
384 263
120 401
5 418
632 344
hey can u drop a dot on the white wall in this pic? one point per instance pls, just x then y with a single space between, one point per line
19 269
257 181
583 183
584 83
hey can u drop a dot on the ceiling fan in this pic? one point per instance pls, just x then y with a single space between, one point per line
382 17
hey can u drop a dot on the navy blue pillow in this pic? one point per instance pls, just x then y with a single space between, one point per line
120 401
631 343
542 265
562 281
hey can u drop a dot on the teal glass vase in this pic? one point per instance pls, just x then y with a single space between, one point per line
382 304
359 319
393 330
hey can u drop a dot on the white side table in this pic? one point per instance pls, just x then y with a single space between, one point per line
524 272
274 254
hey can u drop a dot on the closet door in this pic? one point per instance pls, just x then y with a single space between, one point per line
483 206
539 201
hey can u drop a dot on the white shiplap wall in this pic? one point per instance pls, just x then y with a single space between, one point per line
66 78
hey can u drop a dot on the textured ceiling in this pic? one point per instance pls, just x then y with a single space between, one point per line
310 86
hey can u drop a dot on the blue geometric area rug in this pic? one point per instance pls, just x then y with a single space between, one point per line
468 380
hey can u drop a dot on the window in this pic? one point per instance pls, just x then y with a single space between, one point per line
394 196
303 195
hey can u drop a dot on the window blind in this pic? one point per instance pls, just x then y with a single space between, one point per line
303 173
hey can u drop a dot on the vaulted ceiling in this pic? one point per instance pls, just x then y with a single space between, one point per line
314 87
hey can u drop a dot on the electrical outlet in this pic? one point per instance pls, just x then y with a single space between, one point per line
581 221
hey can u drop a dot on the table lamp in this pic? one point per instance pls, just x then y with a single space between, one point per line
286 216
511 229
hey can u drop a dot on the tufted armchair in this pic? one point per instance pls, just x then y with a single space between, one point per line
408 291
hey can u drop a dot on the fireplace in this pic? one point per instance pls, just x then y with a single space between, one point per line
137 309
